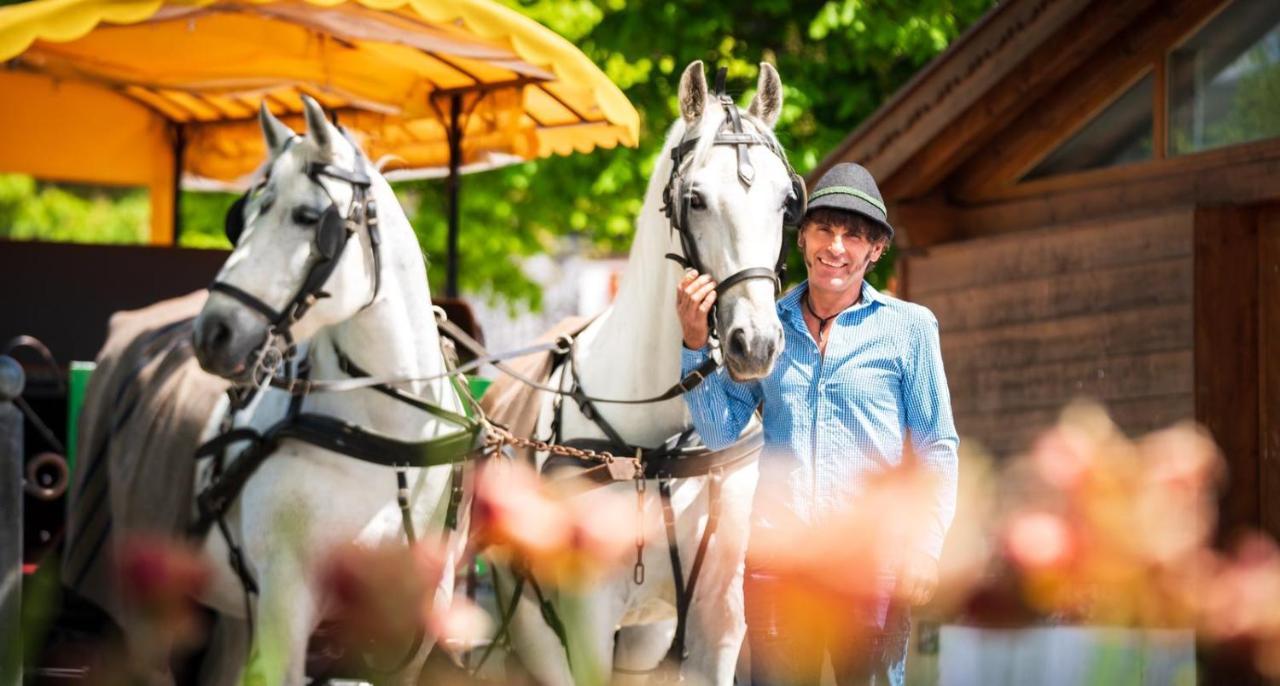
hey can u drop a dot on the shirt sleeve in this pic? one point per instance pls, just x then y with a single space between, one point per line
720 406
932 428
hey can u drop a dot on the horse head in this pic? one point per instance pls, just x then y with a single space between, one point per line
305 243
731 191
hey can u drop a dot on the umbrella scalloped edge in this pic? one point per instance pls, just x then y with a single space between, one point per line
67 20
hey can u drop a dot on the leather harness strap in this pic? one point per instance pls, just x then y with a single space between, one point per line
329 433
687 383
676 459
677 570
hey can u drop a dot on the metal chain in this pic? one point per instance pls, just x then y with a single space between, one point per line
637 574
499 436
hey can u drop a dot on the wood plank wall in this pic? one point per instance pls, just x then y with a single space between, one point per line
1030 321
1269 365
64 293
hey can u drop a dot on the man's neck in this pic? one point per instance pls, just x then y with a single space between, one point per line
826 303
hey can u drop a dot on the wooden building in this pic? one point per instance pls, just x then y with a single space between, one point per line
1087 195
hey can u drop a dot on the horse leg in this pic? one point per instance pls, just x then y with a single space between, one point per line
442 596
716 628
286 615
640 650
590 619
535 644
149 650
716 623
228 650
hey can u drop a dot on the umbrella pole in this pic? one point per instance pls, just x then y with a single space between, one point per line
455 160
179 152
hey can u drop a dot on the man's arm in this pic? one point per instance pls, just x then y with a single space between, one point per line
932 428
720 407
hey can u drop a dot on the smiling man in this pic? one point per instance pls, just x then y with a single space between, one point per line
858 386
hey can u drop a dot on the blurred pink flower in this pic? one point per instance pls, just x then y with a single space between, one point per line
161 578
1039 540
562 535
461 623
1063 456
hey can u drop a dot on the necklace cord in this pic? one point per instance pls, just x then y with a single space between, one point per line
822 321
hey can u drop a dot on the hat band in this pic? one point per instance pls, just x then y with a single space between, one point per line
849 190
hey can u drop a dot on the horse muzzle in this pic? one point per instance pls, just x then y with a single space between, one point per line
227 340
750 331
751 355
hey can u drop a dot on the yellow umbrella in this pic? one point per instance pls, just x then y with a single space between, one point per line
146 92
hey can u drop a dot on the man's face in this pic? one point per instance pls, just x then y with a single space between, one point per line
837 254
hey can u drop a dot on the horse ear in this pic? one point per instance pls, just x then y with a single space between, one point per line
273 130
317 126
767 104
693 92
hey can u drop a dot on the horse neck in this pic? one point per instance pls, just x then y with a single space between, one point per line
395 336
633 349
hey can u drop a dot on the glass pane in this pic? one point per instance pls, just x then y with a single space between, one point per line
1224 83
31 209
1120 133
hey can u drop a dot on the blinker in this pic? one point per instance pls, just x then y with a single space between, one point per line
330 233
234 222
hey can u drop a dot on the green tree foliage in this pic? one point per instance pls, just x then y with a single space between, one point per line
839 60
36 210
204 219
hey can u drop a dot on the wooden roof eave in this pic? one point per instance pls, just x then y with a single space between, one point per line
951 82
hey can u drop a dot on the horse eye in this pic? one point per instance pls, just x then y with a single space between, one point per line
696 201
306 215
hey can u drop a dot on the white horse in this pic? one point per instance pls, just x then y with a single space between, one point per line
633 351
303 501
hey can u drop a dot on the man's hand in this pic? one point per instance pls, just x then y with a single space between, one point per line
918 579
695 295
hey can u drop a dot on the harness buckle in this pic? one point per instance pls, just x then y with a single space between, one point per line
692 380
564 344
298 386
268 361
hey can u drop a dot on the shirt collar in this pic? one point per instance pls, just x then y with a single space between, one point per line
792 303
793 299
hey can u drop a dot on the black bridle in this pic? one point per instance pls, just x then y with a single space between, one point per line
678 196
332 233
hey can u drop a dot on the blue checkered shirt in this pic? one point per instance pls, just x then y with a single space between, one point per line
831 421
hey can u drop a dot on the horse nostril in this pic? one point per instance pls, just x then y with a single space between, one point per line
768 348
738 343
220 337
215 335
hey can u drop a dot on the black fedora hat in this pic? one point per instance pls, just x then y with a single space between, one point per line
850 187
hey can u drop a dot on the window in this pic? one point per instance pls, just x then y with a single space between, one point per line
1224 82
1121 133
1218 86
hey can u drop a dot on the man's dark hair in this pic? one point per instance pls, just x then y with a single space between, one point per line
854 224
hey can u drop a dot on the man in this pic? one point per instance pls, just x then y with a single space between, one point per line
860 375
